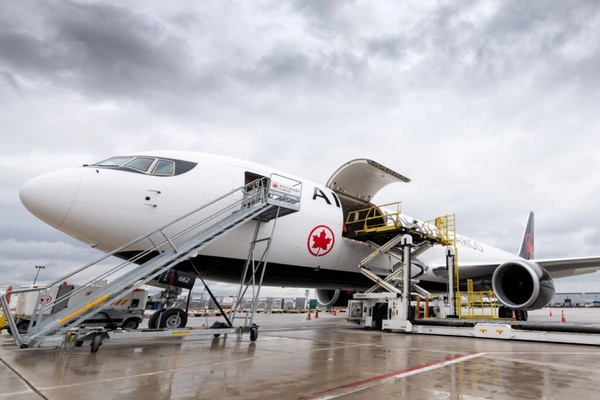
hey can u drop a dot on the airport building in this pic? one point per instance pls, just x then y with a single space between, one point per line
577 294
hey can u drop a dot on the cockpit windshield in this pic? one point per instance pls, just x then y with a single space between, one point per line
163 167
113 162
140 163
147 165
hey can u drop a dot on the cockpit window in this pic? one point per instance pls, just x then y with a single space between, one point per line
140 163
113 162
164 167
147 165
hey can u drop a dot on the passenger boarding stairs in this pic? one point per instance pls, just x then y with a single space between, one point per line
262 200
387 232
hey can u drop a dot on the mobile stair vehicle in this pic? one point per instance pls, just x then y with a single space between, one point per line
265 199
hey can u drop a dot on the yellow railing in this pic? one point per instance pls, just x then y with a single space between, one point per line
386 218
446 229
480 304
372 219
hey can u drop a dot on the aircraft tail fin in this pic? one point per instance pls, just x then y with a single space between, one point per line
526 250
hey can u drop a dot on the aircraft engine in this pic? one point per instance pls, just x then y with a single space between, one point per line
333 298
522 285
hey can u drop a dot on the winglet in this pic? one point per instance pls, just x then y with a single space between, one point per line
526 250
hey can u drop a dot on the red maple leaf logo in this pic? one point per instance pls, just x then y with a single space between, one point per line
321 241
320 244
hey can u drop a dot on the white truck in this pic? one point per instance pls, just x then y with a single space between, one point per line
127 312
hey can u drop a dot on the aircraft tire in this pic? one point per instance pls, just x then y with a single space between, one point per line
380 314
154 318
22 327
253 334
79 343
96 343
521 315
131 323
173 318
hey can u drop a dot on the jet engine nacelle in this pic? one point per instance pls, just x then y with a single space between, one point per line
522 285
333 298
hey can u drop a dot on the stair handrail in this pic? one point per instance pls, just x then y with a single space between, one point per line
258 187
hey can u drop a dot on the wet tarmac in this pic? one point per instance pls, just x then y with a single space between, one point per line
298 359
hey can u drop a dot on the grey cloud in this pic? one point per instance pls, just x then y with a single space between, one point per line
12 82
105 49
21 52
519 39
321 70
324 11
391 47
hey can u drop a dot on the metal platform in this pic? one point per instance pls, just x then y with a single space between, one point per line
548 332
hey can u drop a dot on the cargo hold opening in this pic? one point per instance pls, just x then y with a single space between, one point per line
356 183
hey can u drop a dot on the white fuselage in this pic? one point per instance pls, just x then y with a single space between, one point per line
107 208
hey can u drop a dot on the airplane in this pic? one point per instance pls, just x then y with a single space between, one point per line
107 204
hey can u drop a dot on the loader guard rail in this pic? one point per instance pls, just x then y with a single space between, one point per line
387 219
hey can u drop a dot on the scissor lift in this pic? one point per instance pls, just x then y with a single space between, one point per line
387 304
263 200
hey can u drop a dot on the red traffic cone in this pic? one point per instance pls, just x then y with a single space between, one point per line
514 317
563 318
317 313
550 312
308 316
334 312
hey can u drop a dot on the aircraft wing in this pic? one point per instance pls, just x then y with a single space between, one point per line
557 268
564 267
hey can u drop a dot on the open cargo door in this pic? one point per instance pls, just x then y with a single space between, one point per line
358 181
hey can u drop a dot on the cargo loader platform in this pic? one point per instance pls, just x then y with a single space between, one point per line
536 331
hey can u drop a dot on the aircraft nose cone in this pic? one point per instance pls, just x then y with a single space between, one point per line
49 197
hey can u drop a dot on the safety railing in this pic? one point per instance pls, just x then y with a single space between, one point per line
156 242
478 304
388 218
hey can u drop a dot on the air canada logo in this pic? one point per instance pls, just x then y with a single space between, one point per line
320 241
529 246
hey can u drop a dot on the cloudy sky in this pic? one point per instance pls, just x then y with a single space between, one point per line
492 108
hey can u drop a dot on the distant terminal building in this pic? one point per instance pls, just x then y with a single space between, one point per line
577 294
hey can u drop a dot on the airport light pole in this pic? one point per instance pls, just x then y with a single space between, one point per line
38 267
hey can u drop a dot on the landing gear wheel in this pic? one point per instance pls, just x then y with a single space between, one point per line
173 318
253 334
96 343
22 327
521 315
380 314
154 318
79 343
504 312
131 323
217 335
